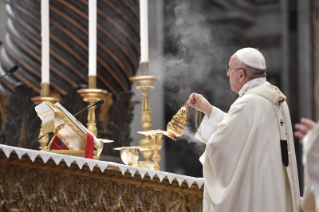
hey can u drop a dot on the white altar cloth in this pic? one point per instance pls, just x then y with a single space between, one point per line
57 158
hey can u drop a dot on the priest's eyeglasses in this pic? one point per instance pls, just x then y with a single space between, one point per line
228 69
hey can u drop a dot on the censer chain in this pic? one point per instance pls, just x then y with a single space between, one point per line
198 117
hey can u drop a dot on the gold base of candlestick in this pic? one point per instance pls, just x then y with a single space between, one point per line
45 90
92 95
40 99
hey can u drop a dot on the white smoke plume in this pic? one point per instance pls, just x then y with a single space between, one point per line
200 51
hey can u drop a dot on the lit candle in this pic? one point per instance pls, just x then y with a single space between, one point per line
45 33
92 37
144 30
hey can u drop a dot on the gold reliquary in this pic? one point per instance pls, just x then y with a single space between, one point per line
55 118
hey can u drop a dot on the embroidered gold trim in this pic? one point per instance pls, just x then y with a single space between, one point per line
59 113
48 127
42 115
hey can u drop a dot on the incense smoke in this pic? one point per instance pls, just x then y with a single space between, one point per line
199 51
202 50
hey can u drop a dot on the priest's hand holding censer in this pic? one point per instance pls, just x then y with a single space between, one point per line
200 104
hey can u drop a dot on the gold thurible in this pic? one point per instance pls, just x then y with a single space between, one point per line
176 126
44 96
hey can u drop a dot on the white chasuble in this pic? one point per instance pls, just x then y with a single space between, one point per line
242 162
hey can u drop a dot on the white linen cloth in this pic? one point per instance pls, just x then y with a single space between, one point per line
242 164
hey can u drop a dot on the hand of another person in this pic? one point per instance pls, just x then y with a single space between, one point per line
303 128
200 103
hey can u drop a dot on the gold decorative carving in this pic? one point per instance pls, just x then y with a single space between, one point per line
35 186
3 115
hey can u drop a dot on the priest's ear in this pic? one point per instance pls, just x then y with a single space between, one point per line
242 75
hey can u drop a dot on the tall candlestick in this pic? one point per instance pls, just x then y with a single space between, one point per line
92 37
45 31
144 30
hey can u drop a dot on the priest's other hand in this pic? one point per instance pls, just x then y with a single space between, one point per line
200 103
303 128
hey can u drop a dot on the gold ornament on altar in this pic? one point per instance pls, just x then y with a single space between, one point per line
45 96
55 118
130 154
175 128
156 142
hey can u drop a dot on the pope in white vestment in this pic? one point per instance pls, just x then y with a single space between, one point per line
243 163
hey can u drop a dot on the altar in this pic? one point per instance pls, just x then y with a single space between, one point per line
32 180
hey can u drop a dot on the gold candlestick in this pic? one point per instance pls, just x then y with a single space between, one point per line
91 95
145 83
45 91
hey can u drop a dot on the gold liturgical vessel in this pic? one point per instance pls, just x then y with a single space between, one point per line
176 126
156 143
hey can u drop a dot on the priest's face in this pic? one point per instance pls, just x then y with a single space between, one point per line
234 73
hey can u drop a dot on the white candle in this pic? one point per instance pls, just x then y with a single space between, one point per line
144 30
45 33
92 37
